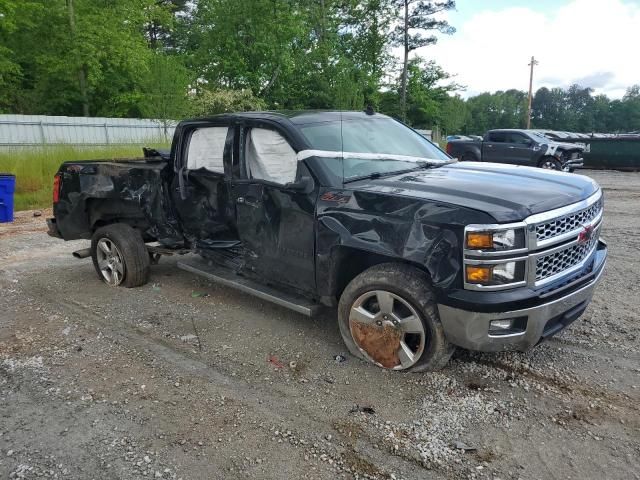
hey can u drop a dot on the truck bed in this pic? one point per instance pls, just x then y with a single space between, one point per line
95 192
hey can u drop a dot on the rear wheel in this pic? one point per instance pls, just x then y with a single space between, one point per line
550 163
120 256
388 316
468 157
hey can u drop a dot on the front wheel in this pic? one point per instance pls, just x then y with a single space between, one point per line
120 256
388 316
550 163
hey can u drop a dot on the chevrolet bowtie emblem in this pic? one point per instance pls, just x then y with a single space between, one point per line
585 235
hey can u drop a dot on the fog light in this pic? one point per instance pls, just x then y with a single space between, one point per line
500 325
507 326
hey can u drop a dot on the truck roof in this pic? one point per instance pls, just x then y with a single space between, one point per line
300 117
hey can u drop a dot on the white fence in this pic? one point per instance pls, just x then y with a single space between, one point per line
39 130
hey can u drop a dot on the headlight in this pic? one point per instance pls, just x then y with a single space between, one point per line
496 273
495 240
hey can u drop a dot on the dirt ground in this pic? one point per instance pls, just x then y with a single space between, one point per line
183 379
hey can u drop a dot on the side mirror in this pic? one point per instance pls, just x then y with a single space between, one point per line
304 185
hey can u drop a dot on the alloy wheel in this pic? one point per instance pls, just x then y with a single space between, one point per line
387 330
110 262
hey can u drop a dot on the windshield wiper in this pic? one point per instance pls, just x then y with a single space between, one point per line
373 175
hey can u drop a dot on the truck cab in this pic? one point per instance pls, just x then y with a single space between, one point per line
352 211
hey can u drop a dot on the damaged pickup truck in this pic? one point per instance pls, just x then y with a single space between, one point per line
351 210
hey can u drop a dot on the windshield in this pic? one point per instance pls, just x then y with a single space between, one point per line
370 146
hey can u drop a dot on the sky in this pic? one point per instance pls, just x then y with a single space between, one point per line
595 43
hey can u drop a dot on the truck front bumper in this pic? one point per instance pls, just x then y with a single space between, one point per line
470 329
573 163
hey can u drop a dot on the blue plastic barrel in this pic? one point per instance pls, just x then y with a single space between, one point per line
7 188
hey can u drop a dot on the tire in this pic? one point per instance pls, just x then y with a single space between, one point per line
120 256
468 157
550 163
412 297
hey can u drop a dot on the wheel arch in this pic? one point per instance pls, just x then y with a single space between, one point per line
349 262
109 211
470 152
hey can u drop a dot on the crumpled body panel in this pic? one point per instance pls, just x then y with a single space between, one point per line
100 192
425 234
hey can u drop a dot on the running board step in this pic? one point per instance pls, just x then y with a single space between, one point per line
230 279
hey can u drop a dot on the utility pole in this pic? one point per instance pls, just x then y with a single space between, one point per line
82 71
405 64
533 63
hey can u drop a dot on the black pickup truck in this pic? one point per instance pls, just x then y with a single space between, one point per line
519 147
355 211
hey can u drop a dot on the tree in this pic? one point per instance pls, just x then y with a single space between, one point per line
164 91
454 115
631 101
415 17
426 93
102 42
578 109
550 109
211 102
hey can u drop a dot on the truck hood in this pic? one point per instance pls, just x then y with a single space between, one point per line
566 146
508 193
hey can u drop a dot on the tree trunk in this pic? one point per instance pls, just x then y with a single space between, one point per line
82 71
82 80
405 65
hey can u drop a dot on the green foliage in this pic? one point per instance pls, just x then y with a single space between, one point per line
413 19
177 58
54 44
577 110
211 102
164 91
427 93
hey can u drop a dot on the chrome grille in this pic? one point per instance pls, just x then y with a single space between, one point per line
558 262
568 223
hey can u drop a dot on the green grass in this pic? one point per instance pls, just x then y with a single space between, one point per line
34 168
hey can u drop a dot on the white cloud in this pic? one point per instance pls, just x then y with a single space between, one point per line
592 41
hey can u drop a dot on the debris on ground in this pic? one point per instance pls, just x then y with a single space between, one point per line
273 360
458 445
340 358
363 409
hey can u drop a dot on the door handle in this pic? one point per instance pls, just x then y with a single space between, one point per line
489 146
511 148
240 200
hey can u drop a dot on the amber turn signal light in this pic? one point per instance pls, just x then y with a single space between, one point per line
478 274
479 240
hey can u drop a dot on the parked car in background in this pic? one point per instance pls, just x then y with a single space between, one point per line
519 147
458 137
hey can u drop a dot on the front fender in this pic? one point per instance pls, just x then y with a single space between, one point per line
423 233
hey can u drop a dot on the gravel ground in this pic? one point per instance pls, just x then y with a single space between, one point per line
183 379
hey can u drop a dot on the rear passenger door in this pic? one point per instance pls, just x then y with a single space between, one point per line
495 148
200 188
